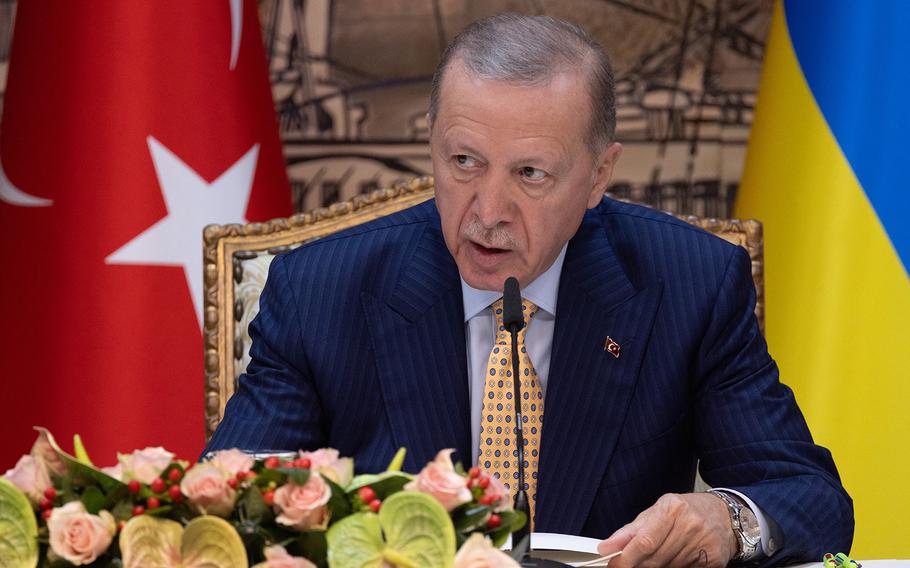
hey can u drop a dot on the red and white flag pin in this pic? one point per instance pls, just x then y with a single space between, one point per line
611 347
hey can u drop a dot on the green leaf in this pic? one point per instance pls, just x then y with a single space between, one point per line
93 499
418 533
339 504
355 542
18 528
266 476
252 505
384 484
296 475
468 517
511 522
314 546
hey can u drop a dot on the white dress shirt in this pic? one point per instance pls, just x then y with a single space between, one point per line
480 334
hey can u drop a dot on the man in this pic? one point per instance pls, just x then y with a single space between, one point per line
646 350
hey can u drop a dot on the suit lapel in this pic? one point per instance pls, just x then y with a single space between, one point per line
419 345
589 388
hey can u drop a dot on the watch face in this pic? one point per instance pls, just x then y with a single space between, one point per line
751 530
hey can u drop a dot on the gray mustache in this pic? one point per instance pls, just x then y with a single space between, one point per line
496 237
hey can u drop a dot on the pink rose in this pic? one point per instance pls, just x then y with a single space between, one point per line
277 557
206 487
30 476
145 465
303 506
477 552
499 494
326 461
232 462
78 537
439 479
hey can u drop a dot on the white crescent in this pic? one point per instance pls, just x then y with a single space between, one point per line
11 194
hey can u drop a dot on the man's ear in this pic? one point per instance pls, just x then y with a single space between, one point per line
604 172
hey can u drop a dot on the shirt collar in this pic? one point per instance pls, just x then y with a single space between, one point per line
542 291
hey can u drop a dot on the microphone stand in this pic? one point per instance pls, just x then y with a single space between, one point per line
513 321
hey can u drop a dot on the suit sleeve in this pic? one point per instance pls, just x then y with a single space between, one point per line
752 436
275 407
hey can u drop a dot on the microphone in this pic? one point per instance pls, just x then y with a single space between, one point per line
514 321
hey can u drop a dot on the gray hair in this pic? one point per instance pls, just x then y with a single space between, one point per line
530 50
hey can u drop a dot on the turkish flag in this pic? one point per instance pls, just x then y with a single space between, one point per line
126 128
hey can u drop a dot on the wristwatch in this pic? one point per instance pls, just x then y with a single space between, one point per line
745 525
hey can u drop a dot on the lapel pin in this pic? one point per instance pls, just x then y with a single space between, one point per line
611 347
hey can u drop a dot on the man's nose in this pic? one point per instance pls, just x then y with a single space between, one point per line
492 201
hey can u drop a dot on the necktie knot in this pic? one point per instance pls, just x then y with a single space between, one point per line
528 309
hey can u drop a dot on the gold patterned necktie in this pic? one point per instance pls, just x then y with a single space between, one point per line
498 451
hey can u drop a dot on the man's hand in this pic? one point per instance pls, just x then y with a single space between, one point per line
691 529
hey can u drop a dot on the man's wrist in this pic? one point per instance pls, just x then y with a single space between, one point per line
744 526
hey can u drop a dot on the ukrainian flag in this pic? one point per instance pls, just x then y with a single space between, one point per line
826 172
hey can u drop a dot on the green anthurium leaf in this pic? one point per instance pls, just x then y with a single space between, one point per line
82 474
93 499
356 542
150 541
18 528
212 542
206 541
339 504
418 531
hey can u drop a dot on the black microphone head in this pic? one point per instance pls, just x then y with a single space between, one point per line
512 317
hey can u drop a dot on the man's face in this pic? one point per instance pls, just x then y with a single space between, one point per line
514 174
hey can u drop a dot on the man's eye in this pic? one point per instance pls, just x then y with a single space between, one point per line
532 174
465 161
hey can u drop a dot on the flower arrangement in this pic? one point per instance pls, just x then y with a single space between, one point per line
233 510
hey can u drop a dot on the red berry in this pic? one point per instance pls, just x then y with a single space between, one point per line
175 493
486 500
45 504
232 483
375 504
158 485
138 510
367 495
175 475
494 521
470 483
474 472
134 486
251 475
272 462
46 514
241 475
154 502
304 463
120 525
269 497
484 482
50 493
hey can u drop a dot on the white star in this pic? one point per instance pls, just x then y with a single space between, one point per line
192 204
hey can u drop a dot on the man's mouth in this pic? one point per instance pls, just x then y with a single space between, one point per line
485 250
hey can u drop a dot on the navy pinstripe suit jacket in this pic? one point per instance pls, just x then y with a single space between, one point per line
360 345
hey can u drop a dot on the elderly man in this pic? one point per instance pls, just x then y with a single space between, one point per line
642 353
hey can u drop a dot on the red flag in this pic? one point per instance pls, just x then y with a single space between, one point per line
126 127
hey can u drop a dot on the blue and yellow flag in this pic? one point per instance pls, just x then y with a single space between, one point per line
826 172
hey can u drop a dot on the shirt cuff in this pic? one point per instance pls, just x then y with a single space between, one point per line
771 534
